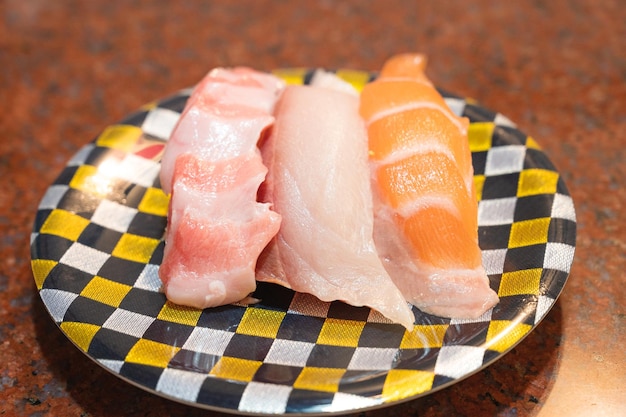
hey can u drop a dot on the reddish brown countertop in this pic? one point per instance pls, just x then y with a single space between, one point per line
67 69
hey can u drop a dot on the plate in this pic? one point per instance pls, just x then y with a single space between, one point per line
97 243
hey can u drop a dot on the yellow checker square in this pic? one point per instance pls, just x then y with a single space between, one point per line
404 383
65 224
503 334
235 369
357 79
135 248
424 336
151 353
339 332
537 181
291 76
41 268
319 379
154 202
106 291
179 314
525 281
529 232
479 183
122 137
80 333
261 322
479 135
532 144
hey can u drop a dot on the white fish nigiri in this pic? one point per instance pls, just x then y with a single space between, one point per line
319 182
212 167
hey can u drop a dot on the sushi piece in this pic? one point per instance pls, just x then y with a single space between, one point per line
422 178
318 180
213 168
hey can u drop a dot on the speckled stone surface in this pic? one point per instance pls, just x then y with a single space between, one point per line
558 69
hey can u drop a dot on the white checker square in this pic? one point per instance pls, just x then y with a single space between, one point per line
180 384
160 122
502 120
369 359
112 364
84 258
458 361
505 159
52 197
259 397
81 156
496 211
457 105
113 216
209 341
493 260
57 302
128 322
149 278
544 304
289 352
483 318
563 207
343 401
138 170
558 256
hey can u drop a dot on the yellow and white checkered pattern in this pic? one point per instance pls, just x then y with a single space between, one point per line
97 245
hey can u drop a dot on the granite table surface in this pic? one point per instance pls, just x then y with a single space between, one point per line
558 69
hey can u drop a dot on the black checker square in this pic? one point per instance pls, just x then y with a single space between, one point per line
220 318
97 155
364 384
300 328
99 237
136 119
146 302
170 333
329 356
307 401
134 195
342 311
417 359
40 218
562 231
65 177
273 296
537 159
189 360
244 346
425 319
111 345
66 278
494 237
381 335
500 186
478 114
277 374
148 225
145 375
220 393
79 202
479 161
552 281
506 136
525 257
157 255
441 380
471 334
175 103
509 308
533 207
86 310
121 270
51 247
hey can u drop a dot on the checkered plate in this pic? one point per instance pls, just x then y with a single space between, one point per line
97 244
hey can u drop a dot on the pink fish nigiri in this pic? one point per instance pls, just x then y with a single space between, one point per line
212 167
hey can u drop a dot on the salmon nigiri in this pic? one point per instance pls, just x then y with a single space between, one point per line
422 178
